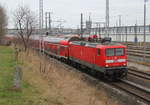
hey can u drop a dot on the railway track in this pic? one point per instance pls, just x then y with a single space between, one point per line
140 92
137 50
139 74
138 54
134 89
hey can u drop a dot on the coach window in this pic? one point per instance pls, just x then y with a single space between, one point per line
98 52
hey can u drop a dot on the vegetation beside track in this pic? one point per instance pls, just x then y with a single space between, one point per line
60 84
28 95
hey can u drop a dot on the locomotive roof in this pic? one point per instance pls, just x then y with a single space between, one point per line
95 44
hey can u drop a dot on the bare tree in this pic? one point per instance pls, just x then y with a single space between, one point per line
3 22
25 23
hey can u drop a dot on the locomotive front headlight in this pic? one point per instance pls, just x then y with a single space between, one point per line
124 64
107 66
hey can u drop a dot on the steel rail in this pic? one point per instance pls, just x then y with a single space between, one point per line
134 89
137 74
148 74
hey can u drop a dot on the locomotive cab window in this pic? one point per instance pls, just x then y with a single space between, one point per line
98 52
119 51
110 52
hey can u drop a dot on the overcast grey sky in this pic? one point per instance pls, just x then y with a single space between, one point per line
69 10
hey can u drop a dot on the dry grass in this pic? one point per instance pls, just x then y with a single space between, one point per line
58 85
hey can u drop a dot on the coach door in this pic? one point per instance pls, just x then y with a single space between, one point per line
58 51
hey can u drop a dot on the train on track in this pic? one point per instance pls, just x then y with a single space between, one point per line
105 57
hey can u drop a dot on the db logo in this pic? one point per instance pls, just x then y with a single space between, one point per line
115 60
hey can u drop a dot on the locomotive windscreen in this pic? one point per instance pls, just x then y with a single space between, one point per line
110 52
115 52
119 52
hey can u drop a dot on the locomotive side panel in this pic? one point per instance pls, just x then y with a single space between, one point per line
88 54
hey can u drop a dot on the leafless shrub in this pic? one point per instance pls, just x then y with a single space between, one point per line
25 23
3 22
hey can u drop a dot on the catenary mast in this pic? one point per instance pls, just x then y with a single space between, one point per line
41 14
107 18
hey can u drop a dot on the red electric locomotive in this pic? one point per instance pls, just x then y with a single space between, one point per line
107 58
